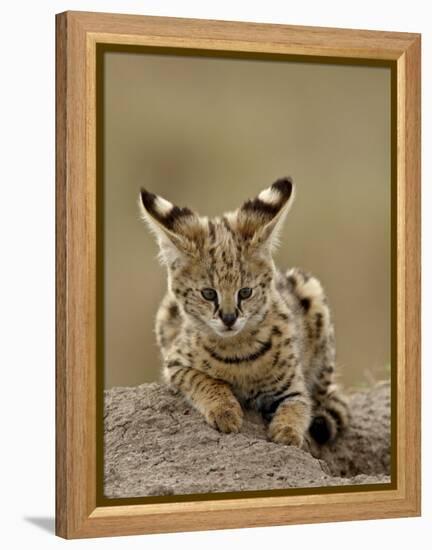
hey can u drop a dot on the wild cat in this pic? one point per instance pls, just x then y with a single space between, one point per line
235 332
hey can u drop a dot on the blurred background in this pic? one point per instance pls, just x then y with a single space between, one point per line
208 133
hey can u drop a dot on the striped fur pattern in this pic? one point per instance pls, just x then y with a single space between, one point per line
234 331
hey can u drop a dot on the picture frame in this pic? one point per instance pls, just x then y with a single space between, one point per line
79 37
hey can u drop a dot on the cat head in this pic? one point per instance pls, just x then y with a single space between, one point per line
220 270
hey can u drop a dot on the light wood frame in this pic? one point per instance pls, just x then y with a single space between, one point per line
77 513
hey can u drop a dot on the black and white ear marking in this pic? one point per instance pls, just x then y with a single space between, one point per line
259 218
178 230
270 202
162 211
277 195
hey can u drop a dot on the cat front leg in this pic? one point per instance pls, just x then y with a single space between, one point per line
213 398
292 417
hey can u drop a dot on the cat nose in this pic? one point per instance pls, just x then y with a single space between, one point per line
228 319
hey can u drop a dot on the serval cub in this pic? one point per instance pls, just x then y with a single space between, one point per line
234 331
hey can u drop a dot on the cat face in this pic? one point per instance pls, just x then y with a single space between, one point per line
220 270
225 287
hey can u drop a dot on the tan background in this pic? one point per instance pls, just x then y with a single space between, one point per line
209 133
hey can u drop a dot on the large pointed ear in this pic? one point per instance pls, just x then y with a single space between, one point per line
259 220
179 231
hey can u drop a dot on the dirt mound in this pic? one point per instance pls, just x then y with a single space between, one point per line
157 444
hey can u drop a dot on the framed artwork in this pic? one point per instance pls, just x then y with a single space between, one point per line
238 274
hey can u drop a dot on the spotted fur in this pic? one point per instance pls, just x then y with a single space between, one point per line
273 351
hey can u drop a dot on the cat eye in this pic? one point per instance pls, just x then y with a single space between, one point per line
245 293
209 294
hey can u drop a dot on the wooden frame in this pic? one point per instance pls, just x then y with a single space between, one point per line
77 512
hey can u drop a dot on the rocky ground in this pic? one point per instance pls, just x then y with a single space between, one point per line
157 444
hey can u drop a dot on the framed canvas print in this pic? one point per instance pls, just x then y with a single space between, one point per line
238 274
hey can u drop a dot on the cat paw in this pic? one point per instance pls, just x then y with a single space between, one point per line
285 435
227 417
